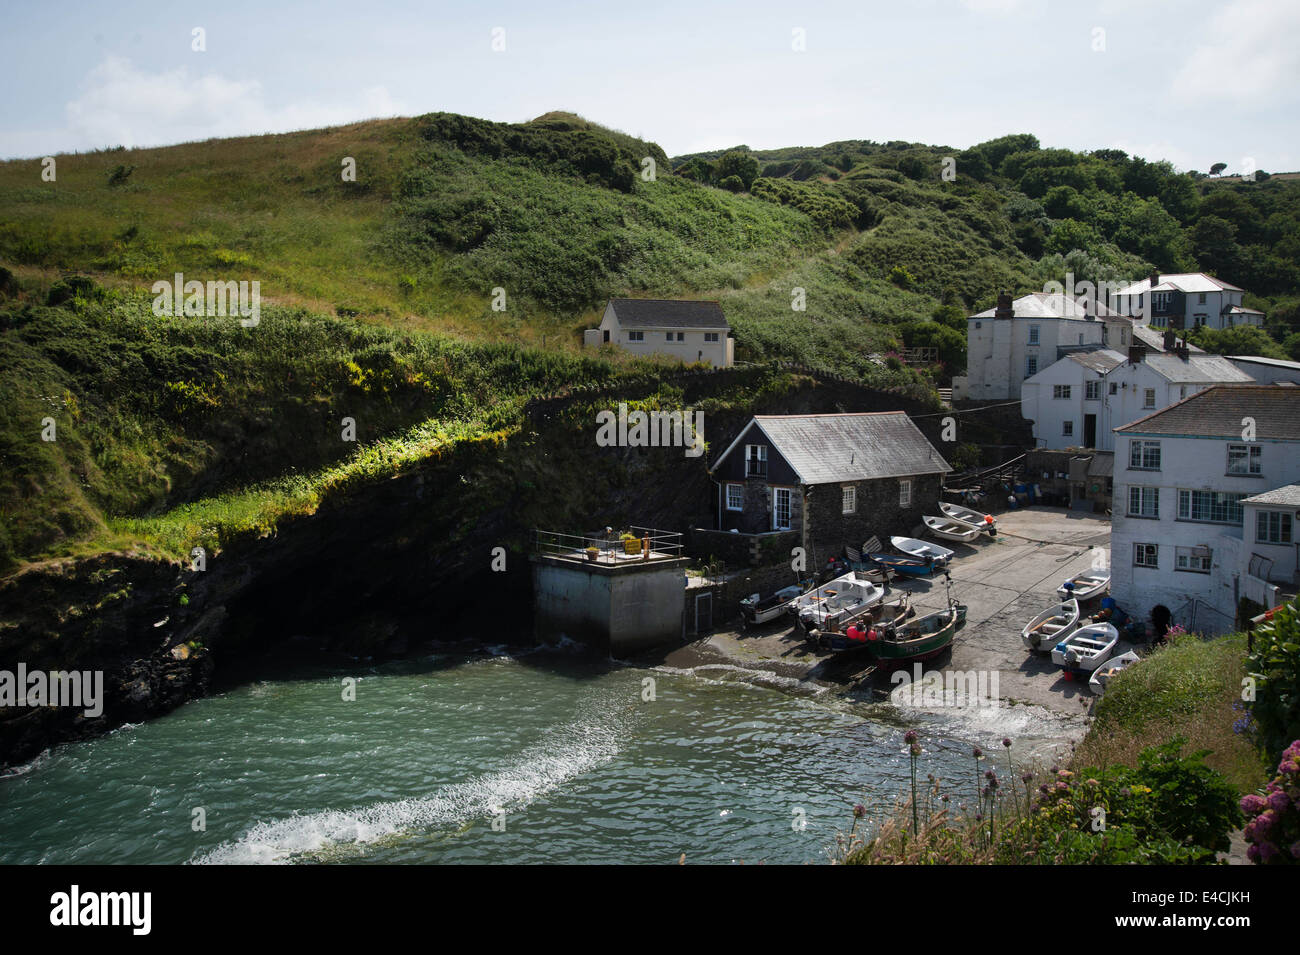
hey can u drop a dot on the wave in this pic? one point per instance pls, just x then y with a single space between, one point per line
574 749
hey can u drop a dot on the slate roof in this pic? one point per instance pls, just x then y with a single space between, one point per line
1217 412
1100 360
1102 464
830 448
1197 369
1154 340
1271 362
1288 496
668 313
1050 305
1181 281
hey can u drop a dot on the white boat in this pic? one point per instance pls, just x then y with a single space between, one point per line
836 601
1086 649
758 611
1084 586
1051 626
922 549
951 529
966 515
1101 676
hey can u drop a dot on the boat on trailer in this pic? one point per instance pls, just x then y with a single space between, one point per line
756 611
967 516
1051 626
951 529
913 547
836 601
1086 649
1085 586
1103 674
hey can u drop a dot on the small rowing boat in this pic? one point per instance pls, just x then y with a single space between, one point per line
1051 626
769 608
831 604
1103 674
1086 649
965 514
950 529
1085 586
923 549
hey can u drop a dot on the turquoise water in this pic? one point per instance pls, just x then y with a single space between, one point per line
581 767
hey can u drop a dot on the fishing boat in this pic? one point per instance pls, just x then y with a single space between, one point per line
893 614
1086 649
917 639
769 608
1051 626
1084 586
901 564
951 529
923 549
835 602
966 515
1102 675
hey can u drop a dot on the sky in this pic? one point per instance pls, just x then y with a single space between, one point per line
1192 82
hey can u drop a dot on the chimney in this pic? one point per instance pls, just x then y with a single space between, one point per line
1004 309
1136 353
1170 342
1154 279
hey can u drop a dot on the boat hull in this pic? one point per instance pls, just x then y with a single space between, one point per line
1086 649
919 639
1050 627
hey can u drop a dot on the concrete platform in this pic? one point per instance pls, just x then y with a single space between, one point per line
1004 582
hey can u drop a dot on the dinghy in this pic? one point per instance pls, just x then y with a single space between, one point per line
967 516
1101 676
1084 586
758 611
835 602
1051 626
950 529
922 549
1085 649
901 564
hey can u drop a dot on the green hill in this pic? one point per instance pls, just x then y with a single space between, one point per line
378 293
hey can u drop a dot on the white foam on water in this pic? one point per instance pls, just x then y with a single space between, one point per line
574 749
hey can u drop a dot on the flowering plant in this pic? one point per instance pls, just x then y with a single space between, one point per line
1273 832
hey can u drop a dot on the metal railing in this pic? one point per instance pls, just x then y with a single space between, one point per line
609 548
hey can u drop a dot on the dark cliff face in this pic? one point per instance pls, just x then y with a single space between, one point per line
379 570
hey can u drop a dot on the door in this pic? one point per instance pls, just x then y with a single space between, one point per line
781 508
704 612
1090 431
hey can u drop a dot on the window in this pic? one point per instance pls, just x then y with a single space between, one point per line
1144 501
850 501
1061 391
1033 334
735 497
710 336
1092 390
1245 458
668 336
1213 507
1146 555
681 336
1148 398
636 336
1192 560
756 460
1067 429
979 325
1144 455
781 508
1198 320
1273 527
1031 365
905 493
1200 298
1114 387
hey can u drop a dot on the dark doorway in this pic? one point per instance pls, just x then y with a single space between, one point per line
1090 431
1160 617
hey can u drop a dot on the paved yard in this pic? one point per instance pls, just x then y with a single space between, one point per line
1005 582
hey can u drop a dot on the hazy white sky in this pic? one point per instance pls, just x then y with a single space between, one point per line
1192 82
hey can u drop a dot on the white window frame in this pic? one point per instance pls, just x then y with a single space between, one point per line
1254 457
1185 561
761 457
710 336
1147 500
1033 334
777 493
740 491
1031 365
849 500
1146 555
635 336
1277 526
1067 428
1148 398
1138 448
905 492
1114 387
1220 498
1092 390
1060 392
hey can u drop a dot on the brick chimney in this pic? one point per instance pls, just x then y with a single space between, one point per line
1004 309
1136 353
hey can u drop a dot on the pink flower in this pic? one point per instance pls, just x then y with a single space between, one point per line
1279 802
1253 805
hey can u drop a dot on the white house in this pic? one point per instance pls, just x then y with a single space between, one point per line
1078 401
1186 479
1268 371
1186 300
1016 340
690 330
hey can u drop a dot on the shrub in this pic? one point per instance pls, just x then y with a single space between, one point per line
732 184
1273 829
1274 665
